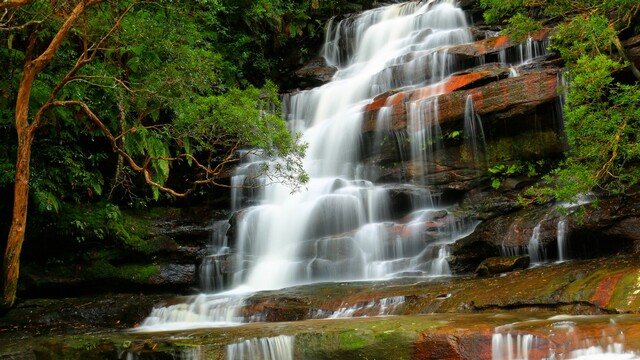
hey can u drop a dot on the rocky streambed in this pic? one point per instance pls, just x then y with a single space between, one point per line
464 317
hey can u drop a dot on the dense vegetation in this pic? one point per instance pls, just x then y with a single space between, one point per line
100 99
602 99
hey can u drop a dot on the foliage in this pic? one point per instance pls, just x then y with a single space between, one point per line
499 172
100 85
602 114
165 63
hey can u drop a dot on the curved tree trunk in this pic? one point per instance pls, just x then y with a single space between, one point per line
25 132
11 264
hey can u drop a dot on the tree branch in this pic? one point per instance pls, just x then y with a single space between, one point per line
144 169
623 53
14 3
47 56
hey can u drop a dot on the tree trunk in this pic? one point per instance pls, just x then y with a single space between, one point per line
11 263
26 131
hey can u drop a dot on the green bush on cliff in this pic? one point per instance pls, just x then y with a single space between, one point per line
601 109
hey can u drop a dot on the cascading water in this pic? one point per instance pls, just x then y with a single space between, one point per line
341 227
273 348
535 249
511 343
562 239
473 133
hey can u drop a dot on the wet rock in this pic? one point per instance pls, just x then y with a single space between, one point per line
179 275
403 198
491 46
396 98
489 203
632 45
78 315
314 73
498 265
507 98
507 234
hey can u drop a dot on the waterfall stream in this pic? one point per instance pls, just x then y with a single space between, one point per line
342 227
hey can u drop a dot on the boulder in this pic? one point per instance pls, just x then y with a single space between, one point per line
632 45
502 264
314 73
491 46
180 275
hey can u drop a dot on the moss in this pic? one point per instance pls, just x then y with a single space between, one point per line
626 295
354 339
524 146
135 273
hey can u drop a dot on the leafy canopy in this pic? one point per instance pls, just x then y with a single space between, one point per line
168 86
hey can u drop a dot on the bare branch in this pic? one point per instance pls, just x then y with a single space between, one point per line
82 60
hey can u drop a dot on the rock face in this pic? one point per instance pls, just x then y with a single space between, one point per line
162 252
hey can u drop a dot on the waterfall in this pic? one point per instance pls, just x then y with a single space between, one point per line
562 340
562 239
341 227
535 248
473 132
512 346
336 229
272 348
523 54
211 269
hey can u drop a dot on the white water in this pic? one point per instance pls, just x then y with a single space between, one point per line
562 239
341 227
384 306
272 348
473 133
509 343
523 54
535 248
518 346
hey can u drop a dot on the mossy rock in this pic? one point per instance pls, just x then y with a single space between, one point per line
502 264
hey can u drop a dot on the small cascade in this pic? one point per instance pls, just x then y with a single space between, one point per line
524 53
611 352
424 135
561 338
271 348
202 311
378 307
211 269
534 248
440 265
536 251
562 239
512 346
473 133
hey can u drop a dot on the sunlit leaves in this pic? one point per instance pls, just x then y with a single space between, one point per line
582 35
